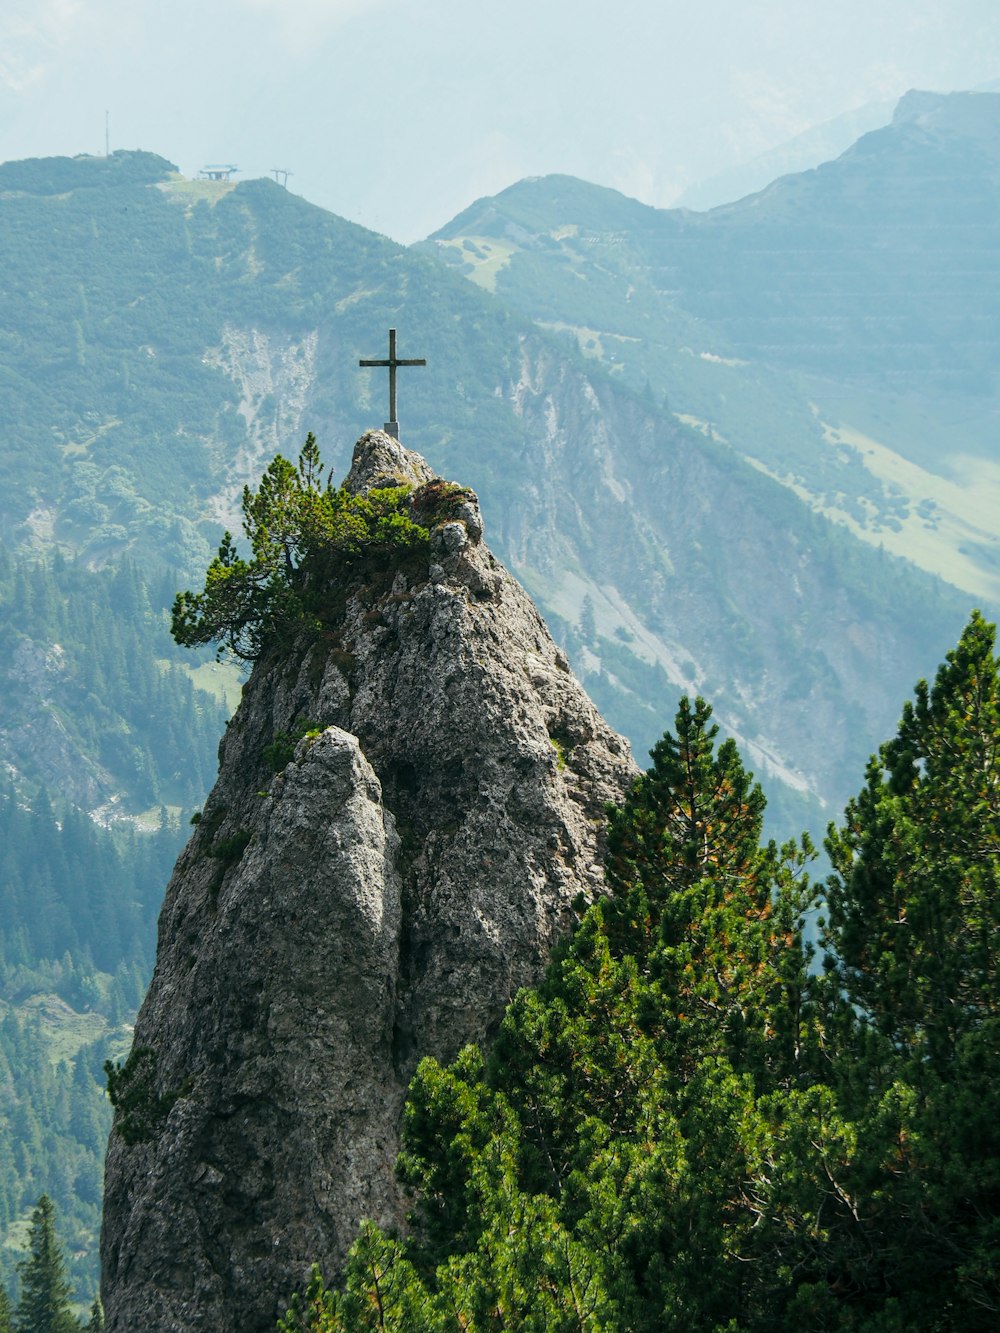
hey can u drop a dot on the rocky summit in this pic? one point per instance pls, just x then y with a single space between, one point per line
407 806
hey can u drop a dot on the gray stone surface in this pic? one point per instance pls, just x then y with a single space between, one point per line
380 899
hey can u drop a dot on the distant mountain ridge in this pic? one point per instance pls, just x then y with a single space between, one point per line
180 332
781 275
817 144
841 327
804 151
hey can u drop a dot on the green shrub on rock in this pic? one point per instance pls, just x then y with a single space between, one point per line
302 535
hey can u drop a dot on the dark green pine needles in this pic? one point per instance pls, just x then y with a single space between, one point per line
686 1127
44 1304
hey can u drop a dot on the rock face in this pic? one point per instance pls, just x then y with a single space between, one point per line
380 898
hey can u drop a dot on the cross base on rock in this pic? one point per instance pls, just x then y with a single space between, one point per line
392 427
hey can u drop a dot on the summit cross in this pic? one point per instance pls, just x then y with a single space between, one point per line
392 425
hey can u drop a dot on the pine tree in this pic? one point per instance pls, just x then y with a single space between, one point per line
718 911
681 1128
914 935
915 901
6 1313
611 1164
300 534
44 1304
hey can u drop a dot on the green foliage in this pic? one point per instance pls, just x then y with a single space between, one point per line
58 175
439 500
128 447
133 1093
278 754
44 1303
229 850
560 750
685 851
79 912
6 1313
381 1292
610 1165
914 934
312 1312
115 292
55 1116
914 906
99 659
684 1127
71 887
586 260
302 536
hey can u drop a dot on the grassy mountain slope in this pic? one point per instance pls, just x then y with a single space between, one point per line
840 328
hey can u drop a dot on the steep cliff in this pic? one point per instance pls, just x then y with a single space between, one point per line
379 898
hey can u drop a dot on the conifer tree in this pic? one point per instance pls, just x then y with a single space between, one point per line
914 905
681 1128
718 909
609 1166
914 935
300 534
6 1314
44 1303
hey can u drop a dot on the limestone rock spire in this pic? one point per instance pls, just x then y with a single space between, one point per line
379 898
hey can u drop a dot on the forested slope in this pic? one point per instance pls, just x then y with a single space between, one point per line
216 324
104 706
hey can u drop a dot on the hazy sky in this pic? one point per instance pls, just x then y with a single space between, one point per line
398 113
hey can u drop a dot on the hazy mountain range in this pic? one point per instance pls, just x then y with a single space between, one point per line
839 328
749 453
799 352
820 143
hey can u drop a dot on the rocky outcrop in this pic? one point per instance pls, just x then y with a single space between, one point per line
380 897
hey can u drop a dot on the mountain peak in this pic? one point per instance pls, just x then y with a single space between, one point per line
379 897
60 175
950 109
380 460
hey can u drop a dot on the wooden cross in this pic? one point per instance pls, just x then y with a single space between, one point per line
392 425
